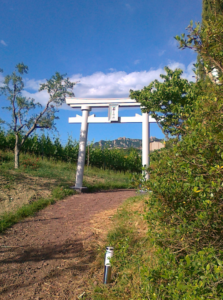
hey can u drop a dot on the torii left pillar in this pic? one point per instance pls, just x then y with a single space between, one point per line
82 148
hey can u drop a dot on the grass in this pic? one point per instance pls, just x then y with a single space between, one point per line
132 256
61 171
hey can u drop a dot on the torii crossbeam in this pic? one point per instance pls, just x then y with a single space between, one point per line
113 104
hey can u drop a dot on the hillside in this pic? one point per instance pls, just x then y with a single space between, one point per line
41 178
124 143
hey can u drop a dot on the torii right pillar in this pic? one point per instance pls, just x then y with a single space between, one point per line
145 143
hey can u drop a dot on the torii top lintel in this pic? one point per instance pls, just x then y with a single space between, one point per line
101 102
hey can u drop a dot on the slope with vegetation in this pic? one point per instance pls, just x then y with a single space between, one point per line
40 182
184 212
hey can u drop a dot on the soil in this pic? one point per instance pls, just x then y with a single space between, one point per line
49 256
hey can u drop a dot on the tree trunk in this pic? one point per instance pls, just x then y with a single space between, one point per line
16 152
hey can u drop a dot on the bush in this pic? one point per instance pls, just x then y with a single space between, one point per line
197 276
187 180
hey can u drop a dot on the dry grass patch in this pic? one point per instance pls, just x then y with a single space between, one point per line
22 189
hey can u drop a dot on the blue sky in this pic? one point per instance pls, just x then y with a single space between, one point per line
110 47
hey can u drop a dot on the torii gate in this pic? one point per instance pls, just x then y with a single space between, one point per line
113 104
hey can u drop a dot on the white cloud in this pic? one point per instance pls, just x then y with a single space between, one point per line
116 84
137 61
129 7
188 71
3 43
109 85
41 97
176 65
161 52
32 84
1 79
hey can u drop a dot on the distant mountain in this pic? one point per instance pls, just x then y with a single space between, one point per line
124 143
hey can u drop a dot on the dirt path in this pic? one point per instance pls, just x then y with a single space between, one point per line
47 256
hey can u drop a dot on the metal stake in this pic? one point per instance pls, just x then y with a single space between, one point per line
107 271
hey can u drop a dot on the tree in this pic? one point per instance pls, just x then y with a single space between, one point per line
167 101
210 8
23 122
207 40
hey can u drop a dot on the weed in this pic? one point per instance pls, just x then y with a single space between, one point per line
31 163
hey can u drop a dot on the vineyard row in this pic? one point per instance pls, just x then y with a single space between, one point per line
43 146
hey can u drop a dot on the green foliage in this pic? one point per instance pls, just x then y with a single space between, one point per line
211 7
115 159
168 101
57 87
187 179
207 40
185 215
197 276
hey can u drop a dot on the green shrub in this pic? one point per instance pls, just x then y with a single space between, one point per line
197 276
187 181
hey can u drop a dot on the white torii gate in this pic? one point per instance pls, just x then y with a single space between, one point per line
113 104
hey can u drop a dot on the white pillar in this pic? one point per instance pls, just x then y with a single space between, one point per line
82 147
145 142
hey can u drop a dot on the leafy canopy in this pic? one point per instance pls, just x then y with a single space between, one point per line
207 40
167 101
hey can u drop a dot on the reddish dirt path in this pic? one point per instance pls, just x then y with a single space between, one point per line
46 257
